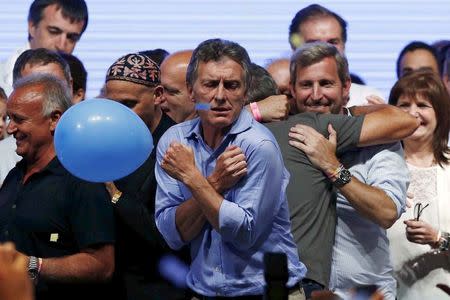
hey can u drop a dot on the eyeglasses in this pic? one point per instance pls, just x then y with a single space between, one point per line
418 209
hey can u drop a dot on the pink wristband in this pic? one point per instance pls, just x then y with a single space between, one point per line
39 265
255 111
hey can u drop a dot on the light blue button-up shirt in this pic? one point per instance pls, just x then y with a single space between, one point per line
361 248
253 218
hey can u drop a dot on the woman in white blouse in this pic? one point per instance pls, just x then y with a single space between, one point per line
426 223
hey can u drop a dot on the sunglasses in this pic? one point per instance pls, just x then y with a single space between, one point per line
418 209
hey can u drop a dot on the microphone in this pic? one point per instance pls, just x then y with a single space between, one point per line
276 276
173 270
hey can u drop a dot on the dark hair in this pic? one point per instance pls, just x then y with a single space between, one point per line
314 11
215 50
261 85
75 10
442 47
428 85
413 46
157 55
357 79
446 64
40 56
77 71
3 94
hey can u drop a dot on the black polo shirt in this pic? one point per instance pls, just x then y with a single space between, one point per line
54 214
139 244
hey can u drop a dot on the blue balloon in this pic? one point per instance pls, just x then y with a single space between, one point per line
101 140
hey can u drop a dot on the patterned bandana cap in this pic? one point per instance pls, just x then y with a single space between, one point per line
137 68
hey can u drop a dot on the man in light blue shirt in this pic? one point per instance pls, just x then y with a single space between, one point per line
231 219
370 182
361 247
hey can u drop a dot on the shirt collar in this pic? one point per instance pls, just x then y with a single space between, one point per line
241 124
54 166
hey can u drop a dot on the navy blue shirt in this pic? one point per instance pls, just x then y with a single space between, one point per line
54 214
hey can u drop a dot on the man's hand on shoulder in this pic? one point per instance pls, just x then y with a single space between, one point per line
320 150
179 162
231 166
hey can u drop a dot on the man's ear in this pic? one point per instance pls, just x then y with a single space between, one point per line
346 90
158 94
54 118
191 93
292 90
78 96
31 30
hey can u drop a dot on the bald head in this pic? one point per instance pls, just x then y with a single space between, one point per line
176 101
178 59
279 70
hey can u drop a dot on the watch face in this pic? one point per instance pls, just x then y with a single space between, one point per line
345 176
32 274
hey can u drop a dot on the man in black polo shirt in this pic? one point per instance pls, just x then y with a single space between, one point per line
64 224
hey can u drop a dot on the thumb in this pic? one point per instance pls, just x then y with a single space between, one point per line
333 135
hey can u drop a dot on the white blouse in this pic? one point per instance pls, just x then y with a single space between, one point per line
428 186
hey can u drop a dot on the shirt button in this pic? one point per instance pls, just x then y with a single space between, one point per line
217 269
14 206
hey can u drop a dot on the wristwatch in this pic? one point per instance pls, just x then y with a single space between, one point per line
33 267
342 177
116 197
444 241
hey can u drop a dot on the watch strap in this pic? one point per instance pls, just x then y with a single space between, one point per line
34 264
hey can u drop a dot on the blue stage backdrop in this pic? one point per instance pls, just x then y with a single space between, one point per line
377 30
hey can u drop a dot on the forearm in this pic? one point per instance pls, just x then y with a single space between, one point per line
371 202
87 266
206 197
384 124
189 217
366 109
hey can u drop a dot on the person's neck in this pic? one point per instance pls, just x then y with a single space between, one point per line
191 116
212 136
156 119
39 161
419 154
